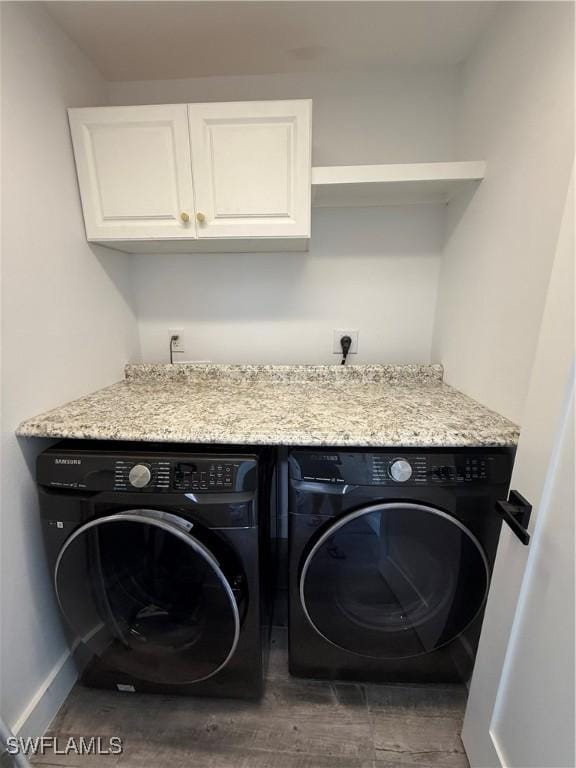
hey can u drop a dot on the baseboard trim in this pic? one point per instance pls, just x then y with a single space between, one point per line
49 697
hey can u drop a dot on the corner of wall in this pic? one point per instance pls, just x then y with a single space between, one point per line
516 112
68 326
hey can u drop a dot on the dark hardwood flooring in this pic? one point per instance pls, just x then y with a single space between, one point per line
297 724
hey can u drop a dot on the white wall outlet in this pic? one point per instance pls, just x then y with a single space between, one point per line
177 345
336 346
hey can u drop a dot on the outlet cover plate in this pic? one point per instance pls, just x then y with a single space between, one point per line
338 333
177 346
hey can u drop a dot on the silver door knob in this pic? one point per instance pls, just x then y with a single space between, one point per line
400 470
139 476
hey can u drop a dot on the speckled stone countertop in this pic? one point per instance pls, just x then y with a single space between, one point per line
371 405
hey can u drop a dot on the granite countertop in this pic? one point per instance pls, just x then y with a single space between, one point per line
372 405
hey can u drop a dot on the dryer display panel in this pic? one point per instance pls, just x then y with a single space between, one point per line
400 467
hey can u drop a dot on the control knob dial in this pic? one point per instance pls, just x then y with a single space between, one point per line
140 475
400 470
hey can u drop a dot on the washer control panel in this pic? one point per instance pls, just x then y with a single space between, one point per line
400 470
412 468
197 475
140 476
215 475
147 472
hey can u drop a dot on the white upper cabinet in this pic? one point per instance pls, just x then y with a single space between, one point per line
231 176
133 168
251 163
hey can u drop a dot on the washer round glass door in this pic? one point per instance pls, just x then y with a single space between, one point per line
393 580
144 592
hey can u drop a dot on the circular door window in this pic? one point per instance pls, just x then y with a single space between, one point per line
394 580
144 592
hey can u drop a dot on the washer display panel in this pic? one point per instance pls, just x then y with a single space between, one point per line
393 580
149 597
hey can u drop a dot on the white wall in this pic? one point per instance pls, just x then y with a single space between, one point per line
516 112
68 327
405 114
373 270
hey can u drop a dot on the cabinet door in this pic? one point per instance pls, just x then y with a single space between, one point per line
251 163
134 171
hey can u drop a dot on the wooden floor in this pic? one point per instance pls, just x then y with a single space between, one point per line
298 724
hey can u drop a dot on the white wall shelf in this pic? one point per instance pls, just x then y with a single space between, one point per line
343 186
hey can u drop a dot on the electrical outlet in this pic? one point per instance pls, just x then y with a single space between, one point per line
177 344
336 346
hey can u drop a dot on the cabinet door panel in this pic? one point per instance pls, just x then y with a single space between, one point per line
134 171
251 166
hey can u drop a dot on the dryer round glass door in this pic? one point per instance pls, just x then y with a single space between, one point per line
145 593
393 580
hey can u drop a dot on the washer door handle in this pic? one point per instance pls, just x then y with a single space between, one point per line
159 514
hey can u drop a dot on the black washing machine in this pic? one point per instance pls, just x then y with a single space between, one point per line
390 559
159 558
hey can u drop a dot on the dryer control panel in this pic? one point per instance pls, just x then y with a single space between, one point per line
403 467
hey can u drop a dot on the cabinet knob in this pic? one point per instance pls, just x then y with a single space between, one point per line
200 218
185 217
